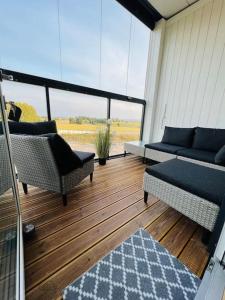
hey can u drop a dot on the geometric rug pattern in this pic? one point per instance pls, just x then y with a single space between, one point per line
140 268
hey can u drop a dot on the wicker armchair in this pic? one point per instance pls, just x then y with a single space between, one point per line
5 176
37 165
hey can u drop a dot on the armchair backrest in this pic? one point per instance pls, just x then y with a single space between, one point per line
35 162
5 175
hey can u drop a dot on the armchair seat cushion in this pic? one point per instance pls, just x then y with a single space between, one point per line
84 156
202 155
201 181
164 147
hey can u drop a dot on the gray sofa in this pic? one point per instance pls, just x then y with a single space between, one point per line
205 146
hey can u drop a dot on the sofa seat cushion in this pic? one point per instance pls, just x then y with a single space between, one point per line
178 136
85 156
164 147
202 155
209 139
201 181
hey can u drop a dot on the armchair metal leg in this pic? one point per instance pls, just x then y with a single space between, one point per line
145 197
64 197
91 177
25 189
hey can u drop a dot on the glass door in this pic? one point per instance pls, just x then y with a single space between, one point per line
11 246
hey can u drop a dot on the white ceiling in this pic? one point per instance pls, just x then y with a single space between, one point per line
168 8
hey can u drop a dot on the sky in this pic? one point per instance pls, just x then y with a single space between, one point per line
68 40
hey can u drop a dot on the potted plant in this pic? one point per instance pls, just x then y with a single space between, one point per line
103 144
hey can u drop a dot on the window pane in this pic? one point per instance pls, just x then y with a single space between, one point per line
30 37
138 59
80 41
93 43
78 117
115 41
30 98
126 124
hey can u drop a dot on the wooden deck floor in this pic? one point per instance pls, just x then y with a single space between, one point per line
99 216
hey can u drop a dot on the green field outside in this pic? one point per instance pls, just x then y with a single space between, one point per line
82 136
80 131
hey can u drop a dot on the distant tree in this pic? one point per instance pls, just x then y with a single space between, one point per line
29 113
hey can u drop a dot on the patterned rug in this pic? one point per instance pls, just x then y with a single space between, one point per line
140 268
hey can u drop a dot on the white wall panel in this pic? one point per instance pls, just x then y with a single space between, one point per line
192 81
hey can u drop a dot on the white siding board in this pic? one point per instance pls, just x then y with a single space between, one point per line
198 60
192 82
190 66
214 74
164 78
207 60
183 70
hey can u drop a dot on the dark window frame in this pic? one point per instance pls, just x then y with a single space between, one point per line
65 86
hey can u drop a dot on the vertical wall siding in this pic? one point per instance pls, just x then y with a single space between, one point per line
192 83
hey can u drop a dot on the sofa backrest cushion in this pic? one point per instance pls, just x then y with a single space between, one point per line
66 160
209 139
36 128
220 156
178 136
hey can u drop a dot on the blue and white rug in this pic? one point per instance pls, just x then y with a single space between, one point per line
140 268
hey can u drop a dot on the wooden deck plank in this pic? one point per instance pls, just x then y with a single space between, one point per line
55 224
47 200
163 224
56 207
179 235
195 254
43 247
52 288
99 216
51 263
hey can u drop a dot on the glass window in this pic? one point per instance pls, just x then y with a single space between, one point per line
30 37
93 43
80 41
78 117
125 124
115 41
30 98
138 59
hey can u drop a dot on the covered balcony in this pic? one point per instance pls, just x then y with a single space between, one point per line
149 76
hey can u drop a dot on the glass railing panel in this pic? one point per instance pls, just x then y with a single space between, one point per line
78 117
125 124
8 225
30 98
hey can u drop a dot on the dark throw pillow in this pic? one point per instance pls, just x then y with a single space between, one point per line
66 159
209 139
45 127
178 136
220 156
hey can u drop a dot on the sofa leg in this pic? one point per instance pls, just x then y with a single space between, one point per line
145 197
91 177
64 197
25 189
